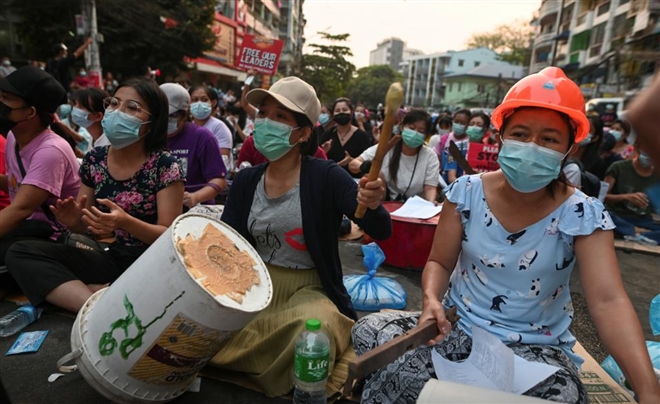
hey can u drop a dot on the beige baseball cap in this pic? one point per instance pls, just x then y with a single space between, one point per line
293 93
177 97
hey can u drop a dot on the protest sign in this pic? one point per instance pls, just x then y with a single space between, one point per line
260 54
482 157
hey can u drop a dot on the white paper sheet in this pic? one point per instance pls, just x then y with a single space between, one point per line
417 208
492 365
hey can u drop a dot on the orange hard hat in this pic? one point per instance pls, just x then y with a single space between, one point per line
551 89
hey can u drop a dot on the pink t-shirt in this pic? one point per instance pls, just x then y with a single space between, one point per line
49 164
4 197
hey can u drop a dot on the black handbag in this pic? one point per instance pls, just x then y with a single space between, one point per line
67 237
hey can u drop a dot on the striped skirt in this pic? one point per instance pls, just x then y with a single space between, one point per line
264 349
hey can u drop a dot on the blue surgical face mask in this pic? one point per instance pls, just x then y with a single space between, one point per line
79 117
644 160
324 118
412 138
458 129
200 110
172 125
271 138
527 166
617 134
65 111
586 140
121 129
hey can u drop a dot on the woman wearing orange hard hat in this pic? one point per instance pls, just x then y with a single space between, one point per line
505 247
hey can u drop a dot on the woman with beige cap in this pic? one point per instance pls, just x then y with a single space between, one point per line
290 210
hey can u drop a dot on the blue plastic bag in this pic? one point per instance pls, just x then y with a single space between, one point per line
654 316
372 293
614 370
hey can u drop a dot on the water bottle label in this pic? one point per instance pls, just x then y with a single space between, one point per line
311 369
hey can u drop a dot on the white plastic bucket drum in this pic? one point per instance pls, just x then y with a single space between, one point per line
146 337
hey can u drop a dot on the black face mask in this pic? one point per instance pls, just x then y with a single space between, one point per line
5 123
342 119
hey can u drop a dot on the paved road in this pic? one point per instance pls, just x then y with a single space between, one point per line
25 376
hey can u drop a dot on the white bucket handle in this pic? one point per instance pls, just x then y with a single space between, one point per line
68 358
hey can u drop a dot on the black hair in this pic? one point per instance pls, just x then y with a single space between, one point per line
445 121
561 181
211 93
624 125
158 106
309 147
591 155
414 115
342 99
485 118
91 99
463 111
58 48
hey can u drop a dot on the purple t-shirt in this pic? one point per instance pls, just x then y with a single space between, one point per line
200 158
49 164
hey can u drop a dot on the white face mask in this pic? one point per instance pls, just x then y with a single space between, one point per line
172 125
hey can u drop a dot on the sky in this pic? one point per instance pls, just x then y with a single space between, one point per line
428 25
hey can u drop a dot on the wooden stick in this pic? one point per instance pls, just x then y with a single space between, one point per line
393 101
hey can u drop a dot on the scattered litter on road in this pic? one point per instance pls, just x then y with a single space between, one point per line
54 377
27 342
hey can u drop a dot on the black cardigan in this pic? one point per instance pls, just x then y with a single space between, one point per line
326 193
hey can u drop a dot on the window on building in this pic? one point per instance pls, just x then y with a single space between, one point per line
580 41
603 8
477 63
597 34
619 28
451 87
481 88
460 87
461 62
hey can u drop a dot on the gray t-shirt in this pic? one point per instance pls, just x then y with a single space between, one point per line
276 226
426 172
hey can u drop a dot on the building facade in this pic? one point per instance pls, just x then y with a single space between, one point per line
424 85
482 87
392 52
607 46
292 26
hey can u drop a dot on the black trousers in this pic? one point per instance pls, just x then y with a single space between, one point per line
40 266
28 230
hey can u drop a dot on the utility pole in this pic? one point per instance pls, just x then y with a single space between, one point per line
94 58
555 44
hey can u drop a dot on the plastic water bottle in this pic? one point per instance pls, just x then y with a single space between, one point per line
17 320
310 367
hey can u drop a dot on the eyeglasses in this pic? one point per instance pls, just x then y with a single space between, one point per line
131 108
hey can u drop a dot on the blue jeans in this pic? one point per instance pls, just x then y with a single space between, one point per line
625 226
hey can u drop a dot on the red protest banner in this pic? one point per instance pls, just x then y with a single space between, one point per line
483 157
260 54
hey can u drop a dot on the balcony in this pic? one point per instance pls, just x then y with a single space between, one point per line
538 66
548 8
579 57
544 39
584 22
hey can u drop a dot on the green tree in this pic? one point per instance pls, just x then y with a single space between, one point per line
135 35
372 83
512 42
327 68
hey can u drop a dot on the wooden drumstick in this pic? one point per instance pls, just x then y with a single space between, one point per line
393 101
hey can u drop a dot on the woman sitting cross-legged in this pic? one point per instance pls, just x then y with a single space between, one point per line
505 247
132 190
290 210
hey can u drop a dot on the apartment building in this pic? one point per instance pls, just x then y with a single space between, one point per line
424 86
391 52
292 25
607 46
